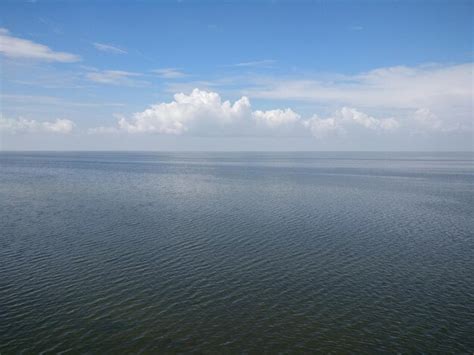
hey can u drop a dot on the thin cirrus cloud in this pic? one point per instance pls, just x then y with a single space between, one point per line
255 63
397 87
205 113
15 47
40 100
115 77
103 47
169 73
23 125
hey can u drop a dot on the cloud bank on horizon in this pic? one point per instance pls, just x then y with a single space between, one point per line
22 125
205 113
98 90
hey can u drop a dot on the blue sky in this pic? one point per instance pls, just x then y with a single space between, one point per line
310 75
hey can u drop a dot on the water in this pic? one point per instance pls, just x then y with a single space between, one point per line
236 252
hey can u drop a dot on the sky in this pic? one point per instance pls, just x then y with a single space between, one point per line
225 75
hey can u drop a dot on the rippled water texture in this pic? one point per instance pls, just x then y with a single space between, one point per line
236 252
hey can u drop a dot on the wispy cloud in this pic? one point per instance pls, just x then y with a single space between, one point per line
212 27
30 99
178 86
15 47
115 77
256 63
23 125
397 87
53 100
55 28
109 48
169 73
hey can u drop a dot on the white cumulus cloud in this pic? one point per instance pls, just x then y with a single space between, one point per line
205 113
347 114
322 127
275 118
428 120
342 119
15 47
186 112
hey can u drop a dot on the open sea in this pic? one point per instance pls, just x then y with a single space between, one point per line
147 252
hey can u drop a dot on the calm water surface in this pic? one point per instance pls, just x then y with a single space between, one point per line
236 252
